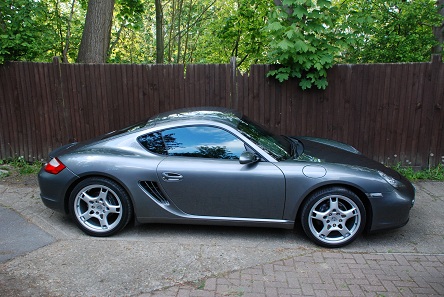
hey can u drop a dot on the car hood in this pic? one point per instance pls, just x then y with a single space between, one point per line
325 151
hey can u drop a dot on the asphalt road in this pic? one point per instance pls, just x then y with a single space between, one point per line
42 253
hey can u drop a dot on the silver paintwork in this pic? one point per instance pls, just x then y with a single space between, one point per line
262 192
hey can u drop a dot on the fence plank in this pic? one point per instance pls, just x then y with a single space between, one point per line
391 112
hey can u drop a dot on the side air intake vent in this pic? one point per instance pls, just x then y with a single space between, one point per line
153 189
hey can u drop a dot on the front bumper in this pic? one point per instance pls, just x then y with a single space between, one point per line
392 210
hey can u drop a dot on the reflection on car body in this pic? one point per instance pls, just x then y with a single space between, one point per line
215 166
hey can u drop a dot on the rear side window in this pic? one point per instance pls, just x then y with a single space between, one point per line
194 141
154 143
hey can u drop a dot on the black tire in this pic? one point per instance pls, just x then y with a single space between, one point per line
100 206
333 217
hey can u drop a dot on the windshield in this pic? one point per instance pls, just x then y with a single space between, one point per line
276 146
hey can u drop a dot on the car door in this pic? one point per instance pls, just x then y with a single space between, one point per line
202 176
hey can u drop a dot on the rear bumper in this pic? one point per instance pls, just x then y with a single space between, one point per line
53 188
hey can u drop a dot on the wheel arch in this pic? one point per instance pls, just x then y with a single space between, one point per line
356 190
97 175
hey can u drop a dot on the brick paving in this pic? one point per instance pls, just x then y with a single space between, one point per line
325 273
414 265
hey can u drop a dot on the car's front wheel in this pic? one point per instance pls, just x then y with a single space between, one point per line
333 217
100 207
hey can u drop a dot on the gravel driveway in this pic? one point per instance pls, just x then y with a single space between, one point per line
166 260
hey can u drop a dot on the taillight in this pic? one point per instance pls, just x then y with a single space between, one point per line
54 166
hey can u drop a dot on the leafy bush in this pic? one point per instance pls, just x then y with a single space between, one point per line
22 165
434 173
302 41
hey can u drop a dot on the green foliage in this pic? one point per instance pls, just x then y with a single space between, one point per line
436 173
4 172
127 42
22 165
185 22
130 13
38 30
303 38
206 31
236 30
65 18
22 30
388 31
302 41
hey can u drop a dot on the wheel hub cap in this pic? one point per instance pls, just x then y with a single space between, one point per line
98 208
334 219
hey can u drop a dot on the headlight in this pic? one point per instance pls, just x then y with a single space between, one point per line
391 180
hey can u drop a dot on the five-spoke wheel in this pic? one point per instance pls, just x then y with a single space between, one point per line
100 207
333 217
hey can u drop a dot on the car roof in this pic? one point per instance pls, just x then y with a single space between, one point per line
227 116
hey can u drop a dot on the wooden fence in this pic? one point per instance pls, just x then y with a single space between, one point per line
391 112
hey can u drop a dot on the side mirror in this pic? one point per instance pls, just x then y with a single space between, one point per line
248 158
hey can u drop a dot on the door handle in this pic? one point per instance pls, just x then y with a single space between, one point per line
171 176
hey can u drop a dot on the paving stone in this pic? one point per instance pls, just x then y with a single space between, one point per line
308 271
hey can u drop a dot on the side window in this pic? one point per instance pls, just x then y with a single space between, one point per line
202 142
153 142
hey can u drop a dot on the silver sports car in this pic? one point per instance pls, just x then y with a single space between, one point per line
215 166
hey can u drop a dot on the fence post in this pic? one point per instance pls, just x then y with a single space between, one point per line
233 95
435 118
436 59
60 102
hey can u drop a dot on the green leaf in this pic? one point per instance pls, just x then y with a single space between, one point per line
275 26
299 11
282 76
321 83
289 34
288 2
312 76
307 45
326 60
318 66
323 3
305 84
285 44
301 46
322 73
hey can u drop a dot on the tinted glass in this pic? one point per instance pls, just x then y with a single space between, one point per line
276 146
202 142
154 143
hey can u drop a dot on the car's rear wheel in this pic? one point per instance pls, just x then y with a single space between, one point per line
333 217
100 207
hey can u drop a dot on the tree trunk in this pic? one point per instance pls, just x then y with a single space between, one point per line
97 32
68 34
439 31
159 33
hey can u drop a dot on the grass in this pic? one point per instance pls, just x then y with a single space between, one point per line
433 173
21 165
